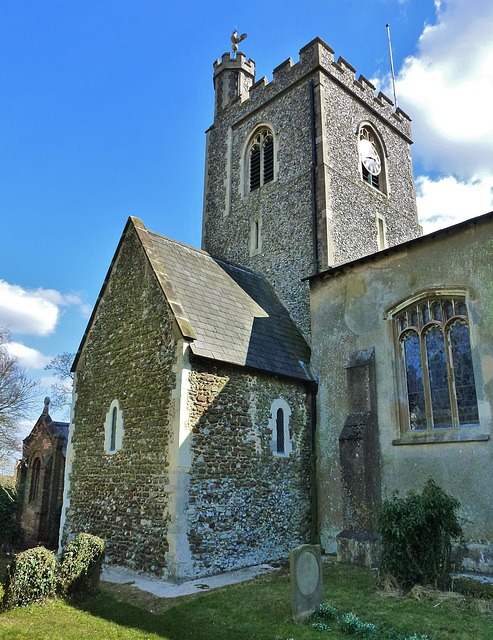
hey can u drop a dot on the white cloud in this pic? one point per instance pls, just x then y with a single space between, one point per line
26 356
447 201
33 311
447 88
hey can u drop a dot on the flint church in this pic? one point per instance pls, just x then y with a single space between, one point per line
316 354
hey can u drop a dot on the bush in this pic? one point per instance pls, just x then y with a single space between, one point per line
10 531
81 565
417 533
31 578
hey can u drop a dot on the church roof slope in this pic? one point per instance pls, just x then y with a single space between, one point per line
235 315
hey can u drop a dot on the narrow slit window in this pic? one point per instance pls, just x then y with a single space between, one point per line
280 430
113 429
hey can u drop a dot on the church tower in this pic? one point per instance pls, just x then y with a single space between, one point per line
304 172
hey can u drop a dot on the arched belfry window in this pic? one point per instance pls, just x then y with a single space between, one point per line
435 352
371 158
261 158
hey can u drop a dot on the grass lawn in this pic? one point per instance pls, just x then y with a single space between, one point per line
259 610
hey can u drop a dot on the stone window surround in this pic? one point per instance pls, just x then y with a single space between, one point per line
440 435
245 158
119 428
255 235
280 403
382 152
381 231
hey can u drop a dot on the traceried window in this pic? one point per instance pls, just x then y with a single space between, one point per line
371 158
261 158
435 350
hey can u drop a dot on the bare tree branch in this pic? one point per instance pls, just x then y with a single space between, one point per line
17 397
61 391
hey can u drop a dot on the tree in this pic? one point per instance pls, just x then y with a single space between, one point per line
17 396
61 391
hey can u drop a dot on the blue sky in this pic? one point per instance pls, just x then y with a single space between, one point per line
104 105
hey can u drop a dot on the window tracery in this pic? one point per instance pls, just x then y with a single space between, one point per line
435 350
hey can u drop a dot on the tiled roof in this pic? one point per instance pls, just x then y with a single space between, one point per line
235 315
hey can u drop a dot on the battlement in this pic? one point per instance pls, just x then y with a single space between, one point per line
238 62
316 55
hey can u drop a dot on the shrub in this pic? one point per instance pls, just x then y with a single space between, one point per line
10 531
31 578
417 533
80 566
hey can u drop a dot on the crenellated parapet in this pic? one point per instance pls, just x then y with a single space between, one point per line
245 95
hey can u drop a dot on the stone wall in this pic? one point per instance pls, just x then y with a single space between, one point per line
128 356
246 505
346 207
354 302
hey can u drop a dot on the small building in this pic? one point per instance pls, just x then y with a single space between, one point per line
40 475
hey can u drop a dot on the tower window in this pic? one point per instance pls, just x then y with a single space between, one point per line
435 350
381 232
371 158
261 159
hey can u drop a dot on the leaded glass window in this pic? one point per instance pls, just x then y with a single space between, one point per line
261 159
435 346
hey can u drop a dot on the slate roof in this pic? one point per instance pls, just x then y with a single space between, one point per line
59 429
235 315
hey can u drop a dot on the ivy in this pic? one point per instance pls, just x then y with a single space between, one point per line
31 577
36 575
417 534
10 531
80 566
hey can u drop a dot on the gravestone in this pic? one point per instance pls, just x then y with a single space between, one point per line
305 564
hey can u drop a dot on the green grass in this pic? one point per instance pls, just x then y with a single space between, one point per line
257 610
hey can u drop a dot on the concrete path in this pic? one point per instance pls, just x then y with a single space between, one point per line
164 589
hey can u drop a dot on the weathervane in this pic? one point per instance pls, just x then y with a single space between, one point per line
235 39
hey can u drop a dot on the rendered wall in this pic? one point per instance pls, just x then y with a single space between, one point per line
348 315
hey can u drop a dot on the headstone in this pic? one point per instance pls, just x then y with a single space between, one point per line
306 580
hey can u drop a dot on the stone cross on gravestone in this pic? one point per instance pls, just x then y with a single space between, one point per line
305 565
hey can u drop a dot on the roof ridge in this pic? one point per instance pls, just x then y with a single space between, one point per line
182 244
